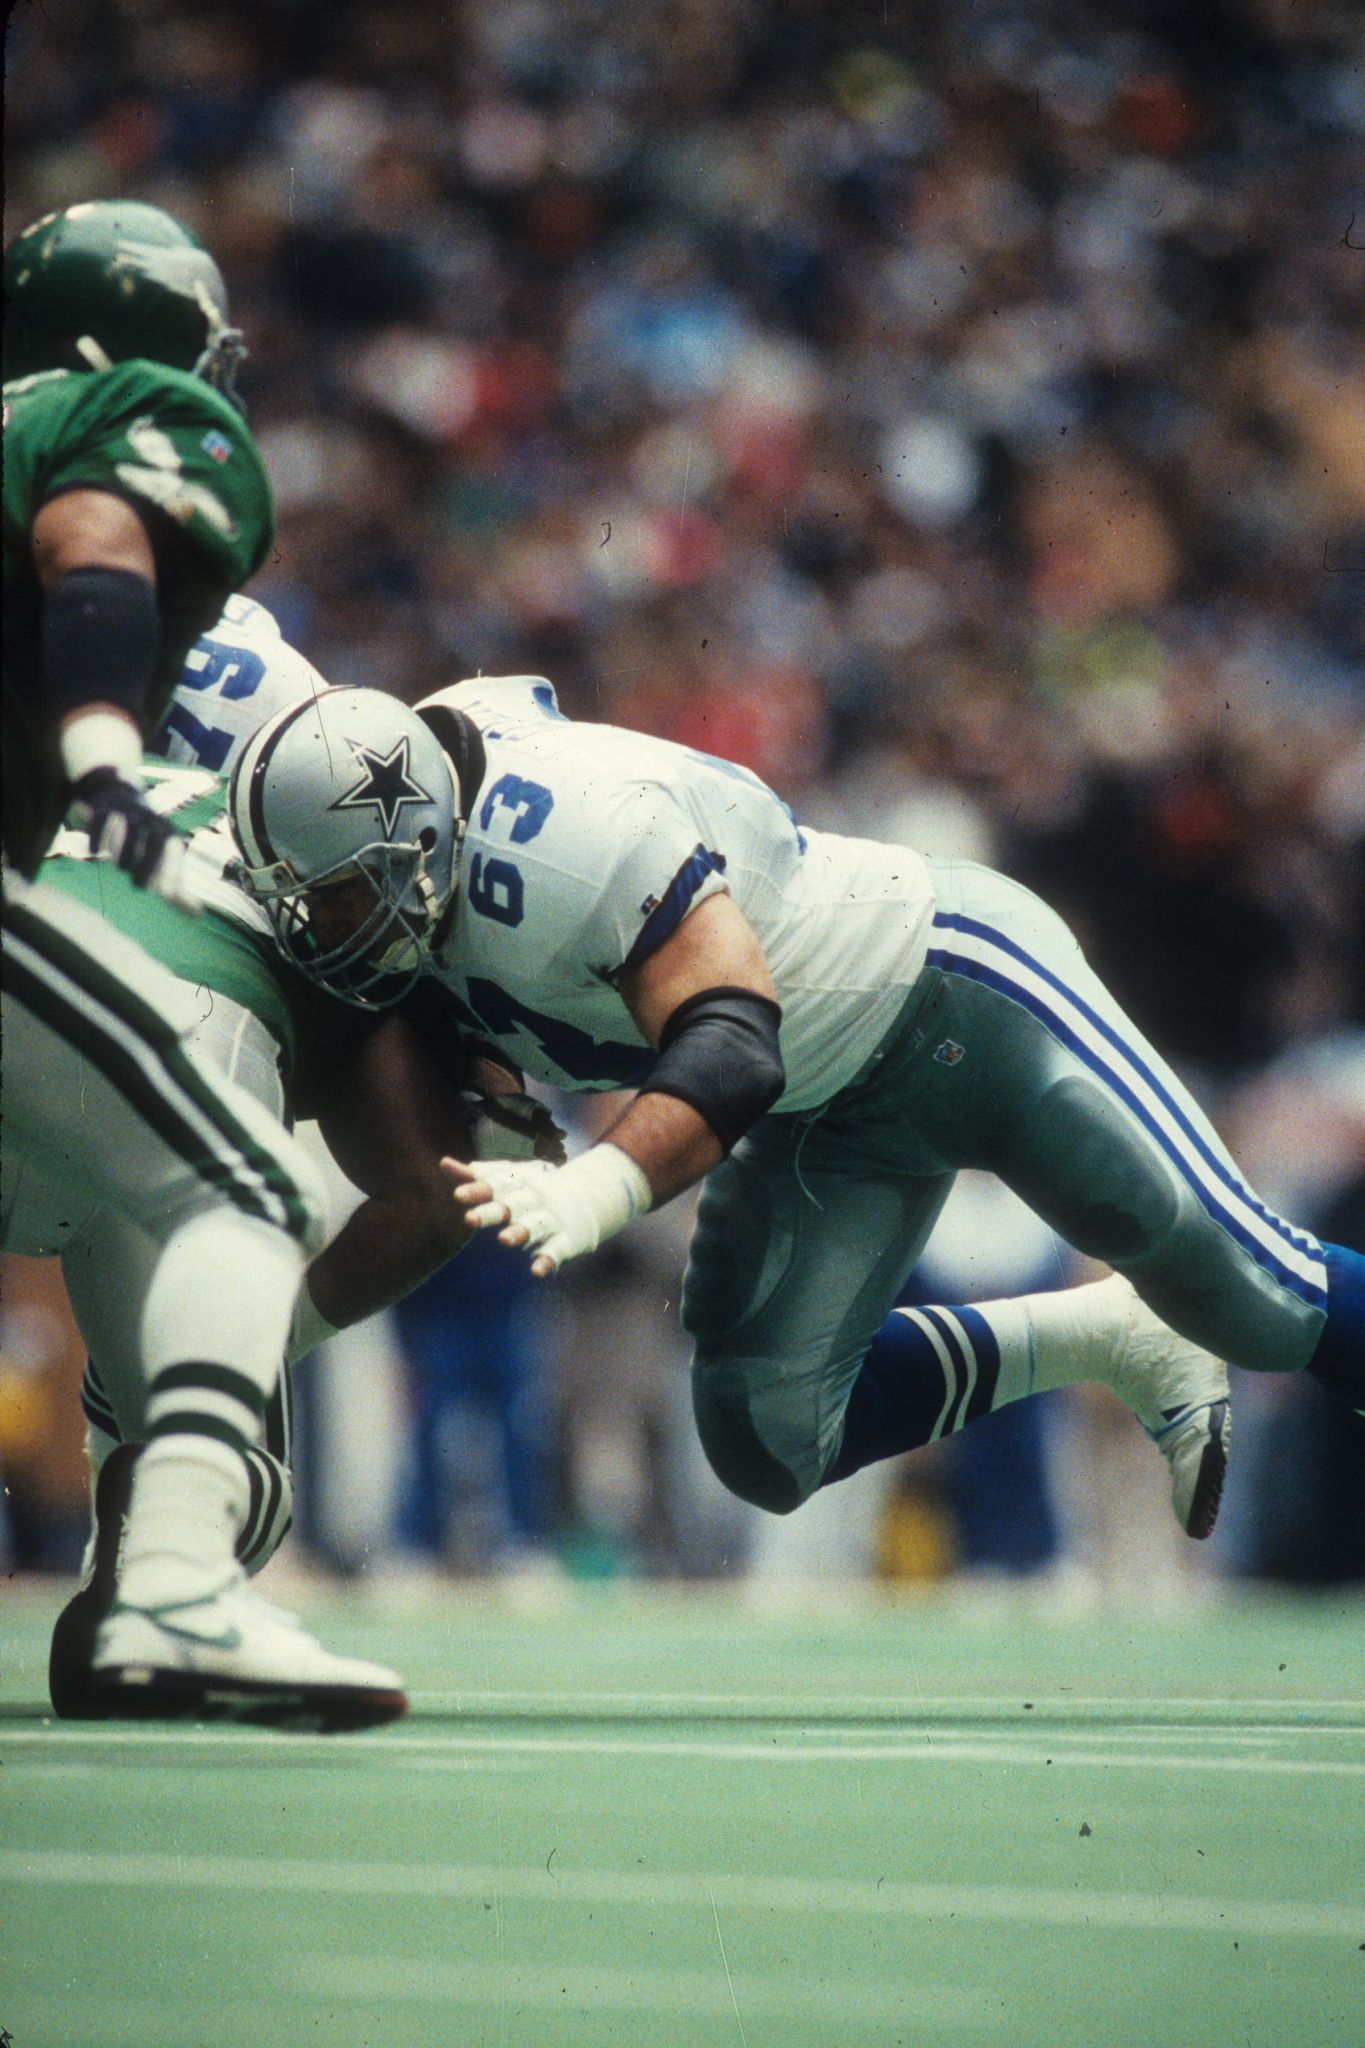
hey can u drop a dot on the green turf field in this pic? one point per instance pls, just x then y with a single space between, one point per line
672 1821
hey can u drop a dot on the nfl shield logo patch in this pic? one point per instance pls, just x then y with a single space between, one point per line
950 1052
217 445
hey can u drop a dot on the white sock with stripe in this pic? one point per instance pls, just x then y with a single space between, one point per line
189 1501
931 1371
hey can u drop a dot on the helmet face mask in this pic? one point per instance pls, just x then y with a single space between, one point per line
370 953
343 810
110 280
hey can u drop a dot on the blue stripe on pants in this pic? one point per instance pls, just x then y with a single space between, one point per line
1298 1266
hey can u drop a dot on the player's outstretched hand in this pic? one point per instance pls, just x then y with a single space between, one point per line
510 1196
123 828
554 1212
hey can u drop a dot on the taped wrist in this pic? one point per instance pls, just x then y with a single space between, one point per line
608 1189
100 638
101 742
719 1053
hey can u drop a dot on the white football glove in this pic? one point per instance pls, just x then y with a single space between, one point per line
564 1210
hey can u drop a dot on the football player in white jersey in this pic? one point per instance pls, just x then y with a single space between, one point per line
238 674
825 1031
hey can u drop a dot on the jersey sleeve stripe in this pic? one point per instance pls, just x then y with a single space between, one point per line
980 1339
672 907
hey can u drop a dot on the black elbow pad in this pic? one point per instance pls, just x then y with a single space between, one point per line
100 637
719 1053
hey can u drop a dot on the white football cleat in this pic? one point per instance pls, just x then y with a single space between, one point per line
1179 1394
232 1656
1195 1444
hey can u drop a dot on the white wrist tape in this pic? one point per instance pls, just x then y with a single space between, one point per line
102 739
565 1210
608 1188
309 1327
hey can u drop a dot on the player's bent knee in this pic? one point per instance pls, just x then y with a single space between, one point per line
739 1457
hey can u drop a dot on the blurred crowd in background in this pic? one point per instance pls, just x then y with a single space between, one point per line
955 412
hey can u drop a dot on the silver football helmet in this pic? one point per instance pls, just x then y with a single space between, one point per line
344 810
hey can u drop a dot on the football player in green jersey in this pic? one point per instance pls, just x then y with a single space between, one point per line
381 1110
386 1106
135 503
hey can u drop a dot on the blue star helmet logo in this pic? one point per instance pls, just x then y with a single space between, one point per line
386 784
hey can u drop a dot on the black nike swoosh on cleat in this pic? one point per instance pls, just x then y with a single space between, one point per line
1208 1491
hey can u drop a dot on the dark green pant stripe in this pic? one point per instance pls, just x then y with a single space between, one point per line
150 1026
93 1042
125 1074
269 1169
90 974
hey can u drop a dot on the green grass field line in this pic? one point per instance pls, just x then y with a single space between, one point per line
778 1750
1157 1911
682 1993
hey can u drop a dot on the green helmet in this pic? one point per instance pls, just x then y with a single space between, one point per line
109 280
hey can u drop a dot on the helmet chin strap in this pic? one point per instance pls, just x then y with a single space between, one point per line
89 351
430 901
443 907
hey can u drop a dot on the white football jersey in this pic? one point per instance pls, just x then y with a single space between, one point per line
236 676
589 845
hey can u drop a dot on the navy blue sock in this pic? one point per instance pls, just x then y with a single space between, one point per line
929 1371
1339 1361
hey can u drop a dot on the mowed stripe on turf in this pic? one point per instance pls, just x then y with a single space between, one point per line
1192 1709
556 1987
788 1746
1169 1912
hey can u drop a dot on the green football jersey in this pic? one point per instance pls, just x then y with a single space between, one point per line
230 948
170 445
